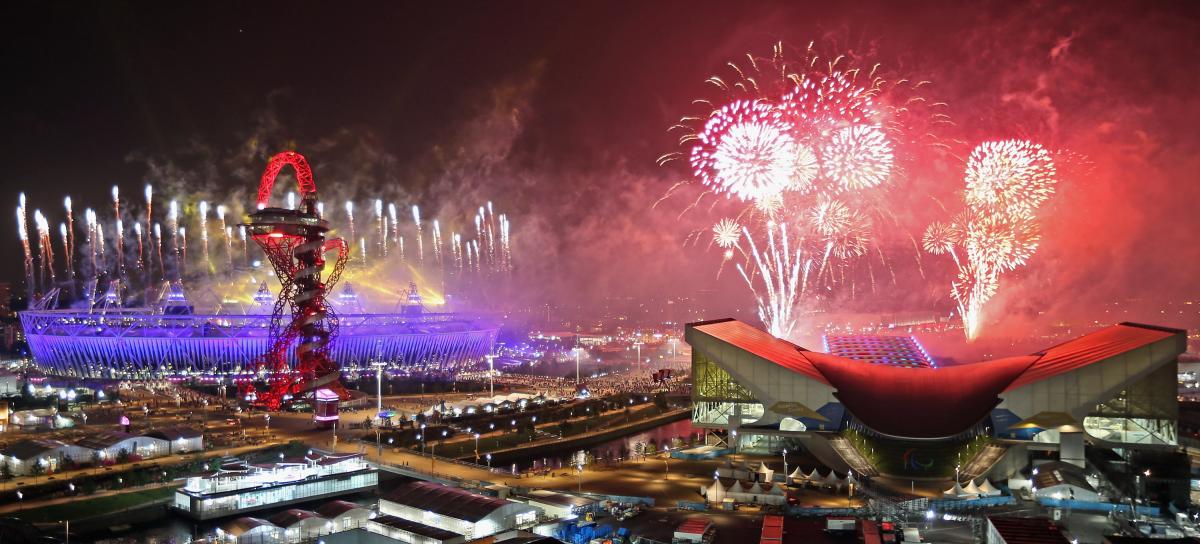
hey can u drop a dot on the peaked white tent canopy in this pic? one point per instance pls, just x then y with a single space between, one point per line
714 492
757 493
765 473
987 489
955 492
796 474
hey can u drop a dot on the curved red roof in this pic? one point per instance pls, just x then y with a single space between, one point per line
1092 347
902 401
760 343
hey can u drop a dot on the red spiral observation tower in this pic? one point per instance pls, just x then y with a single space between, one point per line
295 243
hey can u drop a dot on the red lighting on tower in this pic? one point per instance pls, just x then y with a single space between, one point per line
294 241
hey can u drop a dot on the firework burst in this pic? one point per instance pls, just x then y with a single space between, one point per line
787 135
805 172
829 216
1006 182
857 157
1009 177
939 238
745 151
851 240
769 205
727 233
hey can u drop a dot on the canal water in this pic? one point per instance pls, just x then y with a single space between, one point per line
611 450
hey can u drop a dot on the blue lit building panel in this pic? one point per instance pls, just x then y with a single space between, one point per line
131 343
903 351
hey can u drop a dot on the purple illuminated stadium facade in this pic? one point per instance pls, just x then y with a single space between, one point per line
124 343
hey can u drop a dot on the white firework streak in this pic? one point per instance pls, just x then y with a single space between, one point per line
784 277
227 232
395 225
505 256
437 242
382 224
203 211
350 222
416 212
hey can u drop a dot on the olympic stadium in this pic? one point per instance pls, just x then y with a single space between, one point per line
879 405
175 339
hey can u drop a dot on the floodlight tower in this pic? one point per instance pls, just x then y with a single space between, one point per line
294 241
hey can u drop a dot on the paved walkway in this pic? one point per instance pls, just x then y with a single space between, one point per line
30 505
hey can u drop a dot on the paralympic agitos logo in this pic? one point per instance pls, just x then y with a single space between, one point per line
911 463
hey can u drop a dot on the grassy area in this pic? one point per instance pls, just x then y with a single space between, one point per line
94 507
914 459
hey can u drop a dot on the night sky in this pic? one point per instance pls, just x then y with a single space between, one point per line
557 111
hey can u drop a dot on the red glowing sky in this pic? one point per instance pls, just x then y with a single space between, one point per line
557 111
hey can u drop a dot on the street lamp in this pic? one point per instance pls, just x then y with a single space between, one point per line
491 359
489 460
577 350
850 490
785 471
378 387
1142 488
476 447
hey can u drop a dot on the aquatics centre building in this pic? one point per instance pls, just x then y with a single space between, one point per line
881 405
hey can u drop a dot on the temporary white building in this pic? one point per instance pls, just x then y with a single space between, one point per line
814 477
832 480
456 510
956 492
750 492
110 444
765 473
48 455
248 530
296 525
179 439
987 489
345 515
714 493
1063 481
